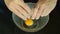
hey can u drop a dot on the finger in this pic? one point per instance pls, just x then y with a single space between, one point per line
34 13
13 9
22 11
24 5
40 11
35 10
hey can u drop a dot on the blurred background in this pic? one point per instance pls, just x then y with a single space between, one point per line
7 26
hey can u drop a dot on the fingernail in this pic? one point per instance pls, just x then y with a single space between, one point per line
28 16
32 18
24 19
37 18
41 15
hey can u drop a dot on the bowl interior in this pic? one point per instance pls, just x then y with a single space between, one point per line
39 24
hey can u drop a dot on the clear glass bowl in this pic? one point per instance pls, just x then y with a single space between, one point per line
38 24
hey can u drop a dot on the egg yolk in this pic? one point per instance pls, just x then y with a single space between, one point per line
29 22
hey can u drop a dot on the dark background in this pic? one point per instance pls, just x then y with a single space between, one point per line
7 26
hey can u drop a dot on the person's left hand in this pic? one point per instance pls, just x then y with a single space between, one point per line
43 8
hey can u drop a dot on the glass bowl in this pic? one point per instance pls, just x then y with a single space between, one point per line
37 26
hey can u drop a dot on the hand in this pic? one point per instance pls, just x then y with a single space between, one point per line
38 9
19 8
43 8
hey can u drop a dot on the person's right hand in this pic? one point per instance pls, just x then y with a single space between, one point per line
19 8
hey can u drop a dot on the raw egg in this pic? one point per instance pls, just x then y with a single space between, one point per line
29 22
